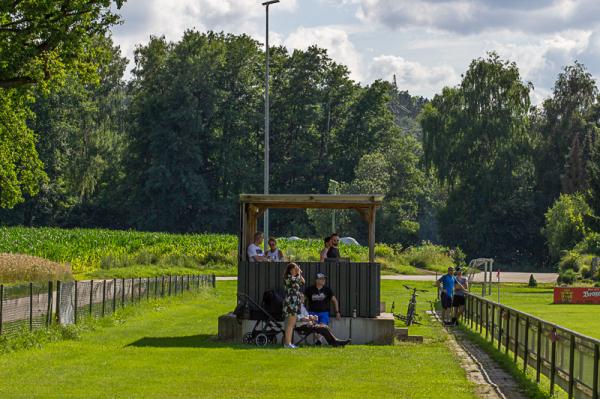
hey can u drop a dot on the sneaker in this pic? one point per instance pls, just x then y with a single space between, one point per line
342 342
290 346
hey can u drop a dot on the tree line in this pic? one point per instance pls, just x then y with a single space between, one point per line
171 147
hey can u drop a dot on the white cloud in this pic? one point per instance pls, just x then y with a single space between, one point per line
335 40
472 16
413 76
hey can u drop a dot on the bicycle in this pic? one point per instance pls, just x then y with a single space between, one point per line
411 312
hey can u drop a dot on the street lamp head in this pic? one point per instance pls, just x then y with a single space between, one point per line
268 3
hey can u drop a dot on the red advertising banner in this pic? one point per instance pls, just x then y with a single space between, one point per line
589 295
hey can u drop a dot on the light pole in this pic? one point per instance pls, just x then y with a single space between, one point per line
335 186
266 184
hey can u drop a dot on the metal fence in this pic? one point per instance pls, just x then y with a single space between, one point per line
568 359
38 305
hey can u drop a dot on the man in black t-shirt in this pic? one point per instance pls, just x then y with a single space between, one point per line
319 298
334 252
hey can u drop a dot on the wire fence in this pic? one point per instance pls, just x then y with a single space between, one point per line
27 307
568 359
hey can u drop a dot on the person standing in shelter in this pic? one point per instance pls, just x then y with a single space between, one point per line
274 254
447 283
460 288
324 251
293 280
333 252
255 253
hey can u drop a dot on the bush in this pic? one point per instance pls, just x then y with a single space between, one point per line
569 262
586 272
565 226
532 281
567 277
590 244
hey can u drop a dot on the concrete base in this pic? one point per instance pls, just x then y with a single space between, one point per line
378 330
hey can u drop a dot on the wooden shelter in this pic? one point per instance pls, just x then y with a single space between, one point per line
252 207
356 284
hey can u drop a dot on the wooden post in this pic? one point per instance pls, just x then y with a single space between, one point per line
76 302
114 295
553 362
123 292
507 343
571 366
516 337
526 352
30 306
91 295
372 234
538 360
49 307
500 314
492 330
103 297
1 305
595 380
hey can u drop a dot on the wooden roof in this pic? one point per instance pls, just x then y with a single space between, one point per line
304 201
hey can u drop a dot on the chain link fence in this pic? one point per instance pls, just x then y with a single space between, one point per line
27 307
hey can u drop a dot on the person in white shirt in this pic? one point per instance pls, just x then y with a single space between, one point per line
255 253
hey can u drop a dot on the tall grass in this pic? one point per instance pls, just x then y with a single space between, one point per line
16 268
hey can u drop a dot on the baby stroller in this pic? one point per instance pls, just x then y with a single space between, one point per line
268 322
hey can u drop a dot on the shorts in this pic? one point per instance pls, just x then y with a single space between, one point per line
446 301
459 300
323 317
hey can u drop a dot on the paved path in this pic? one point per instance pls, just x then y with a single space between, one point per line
490 380
505 277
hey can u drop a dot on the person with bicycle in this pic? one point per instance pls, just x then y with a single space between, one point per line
447 283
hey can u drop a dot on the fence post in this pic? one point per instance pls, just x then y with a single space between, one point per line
571 366
132 290
516 337
526 352
169 285
480 318
58 298
155 287
487 320
596 360
30 306
492 329
147 288
103 297
49 307
538 360
507 335
76 302
140 289
91 296
472 311
162 289
500 314
553 362
214 281
114 295
123 292
1 305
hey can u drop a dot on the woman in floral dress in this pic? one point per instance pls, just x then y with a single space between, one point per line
293 300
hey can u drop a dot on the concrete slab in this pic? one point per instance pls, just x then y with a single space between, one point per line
378 330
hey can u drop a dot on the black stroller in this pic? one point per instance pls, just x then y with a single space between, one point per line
268 322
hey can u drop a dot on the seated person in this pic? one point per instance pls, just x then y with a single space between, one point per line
275 254
333 252
319 298
255 253
324 251
307 324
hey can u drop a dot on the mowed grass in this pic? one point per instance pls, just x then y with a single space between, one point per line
168 349
538 301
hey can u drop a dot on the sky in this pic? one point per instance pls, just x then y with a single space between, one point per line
427 44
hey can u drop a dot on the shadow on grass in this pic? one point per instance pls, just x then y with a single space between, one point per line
193 341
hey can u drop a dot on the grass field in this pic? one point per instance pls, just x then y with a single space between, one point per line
538 301
97 253
168 349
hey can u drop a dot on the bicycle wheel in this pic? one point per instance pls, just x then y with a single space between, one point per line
410 313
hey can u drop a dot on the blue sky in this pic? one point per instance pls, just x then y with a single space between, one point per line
427 44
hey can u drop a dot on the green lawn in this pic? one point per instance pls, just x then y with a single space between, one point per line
584 319
168 349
